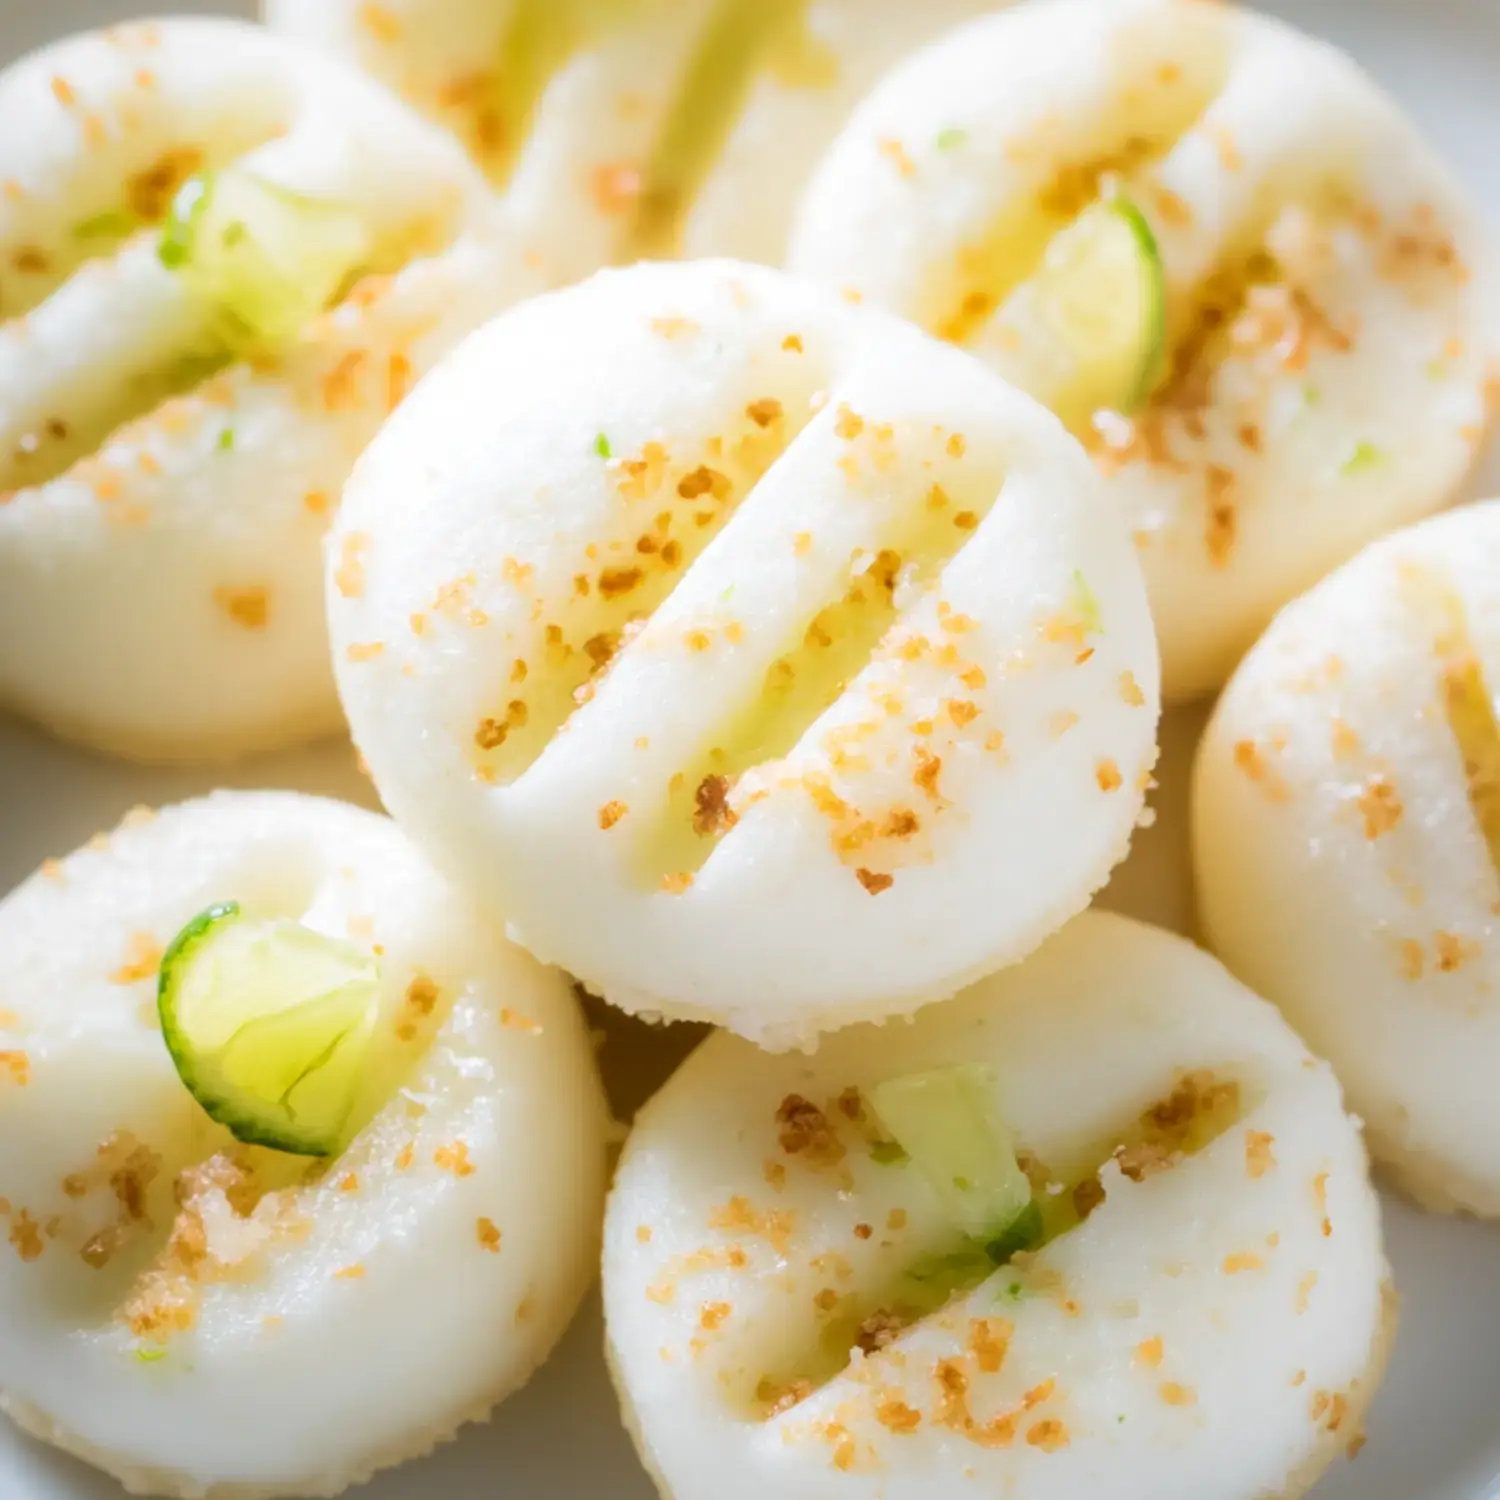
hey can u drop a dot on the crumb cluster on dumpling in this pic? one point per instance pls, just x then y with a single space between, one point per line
164 491
1347 836
759 659
199 1316
1210 1314
625 125
1320 371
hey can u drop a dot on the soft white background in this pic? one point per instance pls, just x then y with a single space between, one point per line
1435 1430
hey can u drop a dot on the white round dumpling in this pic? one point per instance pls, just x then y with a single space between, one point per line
634 125
1347 841
761 660
199 1316
165 479
1276 342
793 1312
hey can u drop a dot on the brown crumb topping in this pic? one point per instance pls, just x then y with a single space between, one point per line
1259 1157
805 1131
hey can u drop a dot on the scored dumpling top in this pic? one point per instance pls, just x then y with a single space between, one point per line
146 453
758 658
1206 1313
628 125
1347 839
1315 324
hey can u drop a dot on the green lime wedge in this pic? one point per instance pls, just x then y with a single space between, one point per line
269 1024
1087 333
949 1123
269 259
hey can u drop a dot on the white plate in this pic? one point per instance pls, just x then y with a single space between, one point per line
1435 1429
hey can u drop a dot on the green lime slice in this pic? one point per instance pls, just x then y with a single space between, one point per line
269 1024
1087 333
948 1122
268 258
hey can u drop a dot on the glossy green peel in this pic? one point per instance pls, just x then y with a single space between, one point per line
269 1024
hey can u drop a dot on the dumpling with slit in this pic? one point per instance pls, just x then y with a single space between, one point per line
1217 249
632 126
1346 815
293 1208
759 659
1099 1224
227 260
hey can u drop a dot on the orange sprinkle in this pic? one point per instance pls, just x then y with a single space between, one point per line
989 1342
874 883
248 605
1149 1353
1380 806
1178 1395
1107 774
341 383
897 154
1242 1260
454 1158
142 959
397 380
364 650
1320 1195
25 1236
350 1273
1259 1158
63 92
488 1235
349 576
1049 1435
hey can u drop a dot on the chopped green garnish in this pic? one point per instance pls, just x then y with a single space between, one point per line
948 1123
958 1268
1087 603
1366 456
226 440
888 1154
1013 1292
269 1024
951 138
150 1356
601 446
1312 394
1026 1232
116 225
1089 330
267 258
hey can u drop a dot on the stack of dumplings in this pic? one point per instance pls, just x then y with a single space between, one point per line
748 476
